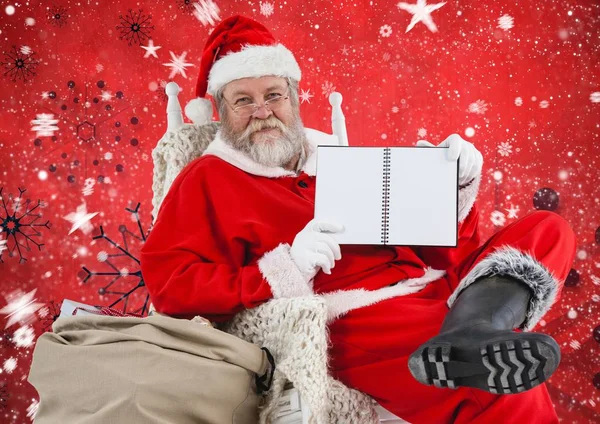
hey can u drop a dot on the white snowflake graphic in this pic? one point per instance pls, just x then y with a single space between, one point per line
81 219
2 244
88 186
21 307
422 132
33 409
512 211
99 68
595 97
178 65
595 280
544 104
506 22
479 107
44 125
532 124
345 51
106 96
266 8
26 50
395 109
10 365
504 149
207 12
385 31
305 95
498 218
519 101
24 336
327 88
387 57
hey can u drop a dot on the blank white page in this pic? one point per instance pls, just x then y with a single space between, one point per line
349 191
423 207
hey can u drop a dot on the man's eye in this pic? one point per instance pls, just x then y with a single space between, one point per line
243 100
273 95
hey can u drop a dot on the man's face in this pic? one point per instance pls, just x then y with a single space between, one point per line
270 137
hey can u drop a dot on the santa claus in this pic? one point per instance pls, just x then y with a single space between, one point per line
428 332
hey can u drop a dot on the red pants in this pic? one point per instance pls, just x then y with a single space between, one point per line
371 345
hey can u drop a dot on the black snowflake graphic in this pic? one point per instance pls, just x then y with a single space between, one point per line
186 5
134 297
3 395
18 225
48 314
19 64
57 15
135 27
96 134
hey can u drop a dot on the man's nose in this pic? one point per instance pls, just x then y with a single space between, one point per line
263 112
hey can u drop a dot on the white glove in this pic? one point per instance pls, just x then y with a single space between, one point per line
313 248
471 160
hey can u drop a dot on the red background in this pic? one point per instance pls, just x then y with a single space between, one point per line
398 87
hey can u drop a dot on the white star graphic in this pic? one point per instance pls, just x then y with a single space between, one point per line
150 49
178 64
512 211
421 13
20 307
345 51
305 95
81 219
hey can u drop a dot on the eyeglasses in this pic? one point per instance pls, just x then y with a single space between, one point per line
272 104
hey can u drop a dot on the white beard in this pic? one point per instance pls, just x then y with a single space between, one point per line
275 148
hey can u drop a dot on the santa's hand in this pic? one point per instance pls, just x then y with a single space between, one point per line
313 249
471 160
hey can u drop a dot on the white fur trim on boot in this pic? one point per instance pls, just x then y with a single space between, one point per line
253 62
199 111
282 273
522 266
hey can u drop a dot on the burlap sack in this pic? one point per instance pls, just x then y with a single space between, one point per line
102 369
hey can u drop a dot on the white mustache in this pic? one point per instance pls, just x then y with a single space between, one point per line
261 124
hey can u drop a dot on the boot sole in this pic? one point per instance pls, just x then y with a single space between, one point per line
508 365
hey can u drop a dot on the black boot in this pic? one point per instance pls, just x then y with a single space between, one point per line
477 348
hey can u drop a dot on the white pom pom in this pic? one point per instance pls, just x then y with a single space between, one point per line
199 111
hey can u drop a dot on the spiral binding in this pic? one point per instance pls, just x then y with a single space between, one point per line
385 207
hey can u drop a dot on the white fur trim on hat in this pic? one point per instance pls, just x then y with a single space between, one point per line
199 111
253 62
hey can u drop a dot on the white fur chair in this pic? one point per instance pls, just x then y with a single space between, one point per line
328 399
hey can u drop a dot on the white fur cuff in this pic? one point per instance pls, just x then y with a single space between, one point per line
282 274
522 266
466 198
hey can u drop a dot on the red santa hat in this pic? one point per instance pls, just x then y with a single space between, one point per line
238 47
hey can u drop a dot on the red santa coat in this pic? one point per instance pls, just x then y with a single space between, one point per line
221 243
221 239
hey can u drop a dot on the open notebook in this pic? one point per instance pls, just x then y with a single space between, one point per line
389 195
